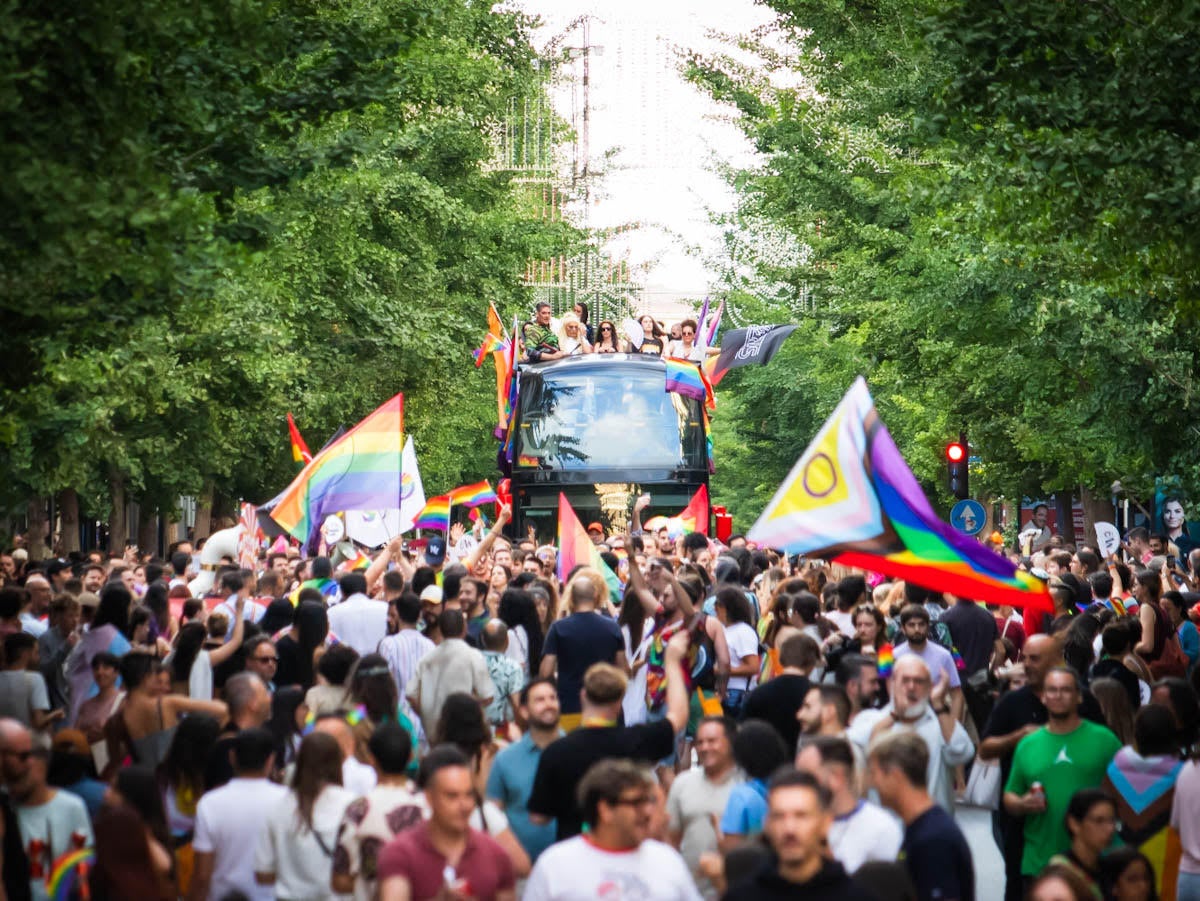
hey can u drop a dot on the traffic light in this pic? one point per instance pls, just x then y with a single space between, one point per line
956 467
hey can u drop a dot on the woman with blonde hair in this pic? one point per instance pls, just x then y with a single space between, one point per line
571 337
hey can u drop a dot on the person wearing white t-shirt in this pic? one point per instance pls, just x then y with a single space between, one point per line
914 622
358 621
230 821
861 831
618 802
295 851
733 611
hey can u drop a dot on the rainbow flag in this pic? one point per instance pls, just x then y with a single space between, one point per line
714 322
476 516
358 561
361 470
491 344
575 548
683 377
300 452
851 497
694 517
435 514
885 660
473 495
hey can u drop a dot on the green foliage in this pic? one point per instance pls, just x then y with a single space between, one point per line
996 203
219 213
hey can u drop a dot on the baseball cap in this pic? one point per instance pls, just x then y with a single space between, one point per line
435 551
431 594
595 527
54 567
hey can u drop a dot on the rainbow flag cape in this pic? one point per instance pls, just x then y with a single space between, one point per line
851 497
300 452
435 514
575 548
361 470
473 495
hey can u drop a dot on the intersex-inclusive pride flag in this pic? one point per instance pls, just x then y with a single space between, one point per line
361 470
473 495
435 514
851 497
575 548
300 452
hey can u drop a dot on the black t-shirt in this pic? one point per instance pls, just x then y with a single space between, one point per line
1022 707
1111 668
565 761
938 858
974 632
777 702
577 642
829 884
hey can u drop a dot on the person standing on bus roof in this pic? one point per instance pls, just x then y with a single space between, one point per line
571 337
686 347
541 342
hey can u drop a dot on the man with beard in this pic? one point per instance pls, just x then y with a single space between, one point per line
617 798
920 706
797 825
1016 715
510 782
1051 764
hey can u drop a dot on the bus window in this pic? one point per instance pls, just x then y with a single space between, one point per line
608 416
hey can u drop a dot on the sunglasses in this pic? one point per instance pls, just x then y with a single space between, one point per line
267 659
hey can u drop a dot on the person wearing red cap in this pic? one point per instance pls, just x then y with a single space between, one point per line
595 532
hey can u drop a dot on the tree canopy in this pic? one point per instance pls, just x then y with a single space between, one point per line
995 203
217 213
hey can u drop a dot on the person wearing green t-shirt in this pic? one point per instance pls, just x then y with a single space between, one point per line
1067 754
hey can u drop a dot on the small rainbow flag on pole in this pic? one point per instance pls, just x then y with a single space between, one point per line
361 470
852 498
435 514
473 495
491 344
575 548
300 452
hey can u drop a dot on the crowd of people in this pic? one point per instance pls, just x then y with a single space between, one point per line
453 721
545 338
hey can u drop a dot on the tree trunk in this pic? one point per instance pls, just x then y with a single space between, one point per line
147 534
68 506
35 534
1095 509
1066 517
204 503
118 520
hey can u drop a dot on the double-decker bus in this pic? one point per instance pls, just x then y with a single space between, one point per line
601 429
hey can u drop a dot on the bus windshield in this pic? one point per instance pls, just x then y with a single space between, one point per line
611 415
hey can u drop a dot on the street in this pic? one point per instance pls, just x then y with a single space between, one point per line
976 825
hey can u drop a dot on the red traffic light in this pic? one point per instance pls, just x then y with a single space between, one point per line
956 452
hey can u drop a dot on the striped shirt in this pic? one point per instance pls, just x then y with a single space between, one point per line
403 651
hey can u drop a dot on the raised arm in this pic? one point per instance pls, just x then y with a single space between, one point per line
224 652
489 539
637 581
394 552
